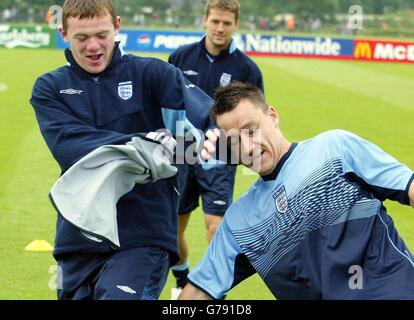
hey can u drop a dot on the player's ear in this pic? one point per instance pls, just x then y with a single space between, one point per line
272 113
117 24
63 33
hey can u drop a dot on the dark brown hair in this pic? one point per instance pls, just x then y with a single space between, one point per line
228 97
87 9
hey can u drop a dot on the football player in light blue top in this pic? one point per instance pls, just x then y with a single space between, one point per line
314 225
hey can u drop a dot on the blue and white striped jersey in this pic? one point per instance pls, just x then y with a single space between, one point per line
316 228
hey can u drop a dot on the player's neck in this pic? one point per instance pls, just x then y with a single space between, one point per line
214 50
284 147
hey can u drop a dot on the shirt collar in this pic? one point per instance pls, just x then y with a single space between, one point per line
273 175
116 57
224 53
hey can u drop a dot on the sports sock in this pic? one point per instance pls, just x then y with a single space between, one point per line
180 273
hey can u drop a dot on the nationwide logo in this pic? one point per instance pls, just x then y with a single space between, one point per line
144 40
12 37
289 45
384 51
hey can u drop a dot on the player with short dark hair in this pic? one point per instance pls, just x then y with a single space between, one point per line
314 225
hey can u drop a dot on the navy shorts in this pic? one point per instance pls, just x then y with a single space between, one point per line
134 274
215 186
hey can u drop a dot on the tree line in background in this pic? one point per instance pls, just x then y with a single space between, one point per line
300 8
393 17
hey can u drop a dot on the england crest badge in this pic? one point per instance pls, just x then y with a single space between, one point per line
281 200
225 79
125 90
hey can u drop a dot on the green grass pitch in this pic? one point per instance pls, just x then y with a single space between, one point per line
371 99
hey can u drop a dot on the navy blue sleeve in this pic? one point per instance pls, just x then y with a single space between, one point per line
243 269
171 58
180 100
259 82
68 138
254 75
257 79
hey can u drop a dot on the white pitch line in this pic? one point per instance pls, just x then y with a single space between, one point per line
3 87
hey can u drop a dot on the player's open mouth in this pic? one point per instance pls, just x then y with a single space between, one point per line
95 57
258 155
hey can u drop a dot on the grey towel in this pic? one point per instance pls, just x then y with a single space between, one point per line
86 195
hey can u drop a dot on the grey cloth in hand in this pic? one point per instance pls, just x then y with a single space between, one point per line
86 195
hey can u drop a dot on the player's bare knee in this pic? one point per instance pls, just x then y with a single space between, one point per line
211 230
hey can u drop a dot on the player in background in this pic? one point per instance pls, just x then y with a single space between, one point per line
213 62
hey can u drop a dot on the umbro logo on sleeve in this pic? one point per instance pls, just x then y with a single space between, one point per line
71 91
190 73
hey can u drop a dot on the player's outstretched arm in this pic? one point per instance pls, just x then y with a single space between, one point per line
411 194
191 292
